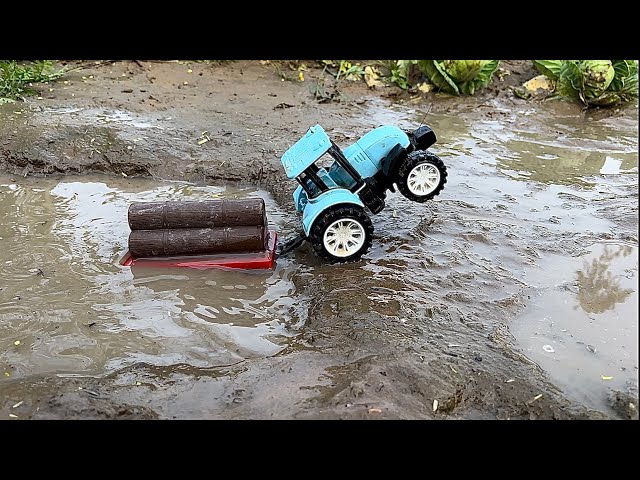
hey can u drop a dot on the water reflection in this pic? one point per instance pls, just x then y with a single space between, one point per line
599 289
223 296
74 309
561 165
576 151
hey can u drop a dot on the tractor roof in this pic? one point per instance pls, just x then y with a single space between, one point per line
305 151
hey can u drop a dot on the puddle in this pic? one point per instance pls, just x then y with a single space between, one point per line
531 245
582 323
548 206
99 116
75 311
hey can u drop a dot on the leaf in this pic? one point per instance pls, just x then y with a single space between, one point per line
550 68
405 64
604 377
625 80
484 77
621 68
354 73
399 72
468 88
623 88
449 81
539 83
630 89
570 81
571 71
469 75
438 76
372 77
461 71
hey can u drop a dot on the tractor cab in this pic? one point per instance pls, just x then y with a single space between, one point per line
301 161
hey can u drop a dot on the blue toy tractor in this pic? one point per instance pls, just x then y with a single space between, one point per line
336 189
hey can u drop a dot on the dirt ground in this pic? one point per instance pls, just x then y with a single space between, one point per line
350 360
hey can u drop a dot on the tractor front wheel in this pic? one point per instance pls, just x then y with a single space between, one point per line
421 176
342 233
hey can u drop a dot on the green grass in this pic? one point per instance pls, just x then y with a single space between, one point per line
16 79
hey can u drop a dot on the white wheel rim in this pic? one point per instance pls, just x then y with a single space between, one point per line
423 179
344 237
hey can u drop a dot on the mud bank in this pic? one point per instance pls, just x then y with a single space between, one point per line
427 315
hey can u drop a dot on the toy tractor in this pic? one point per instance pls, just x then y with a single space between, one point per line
333 195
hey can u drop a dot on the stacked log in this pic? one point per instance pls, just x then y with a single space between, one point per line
197 228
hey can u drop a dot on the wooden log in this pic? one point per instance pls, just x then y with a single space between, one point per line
204 214
196 241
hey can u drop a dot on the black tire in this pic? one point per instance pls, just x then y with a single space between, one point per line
412 161
327 219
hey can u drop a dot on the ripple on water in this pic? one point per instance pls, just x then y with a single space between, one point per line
74 310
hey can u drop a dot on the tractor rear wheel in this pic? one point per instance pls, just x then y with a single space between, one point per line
421 176
342 233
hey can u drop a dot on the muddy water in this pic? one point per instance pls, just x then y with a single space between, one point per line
536 231
532 244
68 308
582 323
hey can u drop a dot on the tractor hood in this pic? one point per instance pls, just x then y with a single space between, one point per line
379 142
305 151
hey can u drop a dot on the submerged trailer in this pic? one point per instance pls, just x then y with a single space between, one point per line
229 233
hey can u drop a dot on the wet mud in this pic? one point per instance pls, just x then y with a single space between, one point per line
512 295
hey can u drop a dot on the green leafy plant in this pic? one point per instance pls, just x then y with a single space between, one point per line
399 72
600 83
459 76
349 71
16 79
343 69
